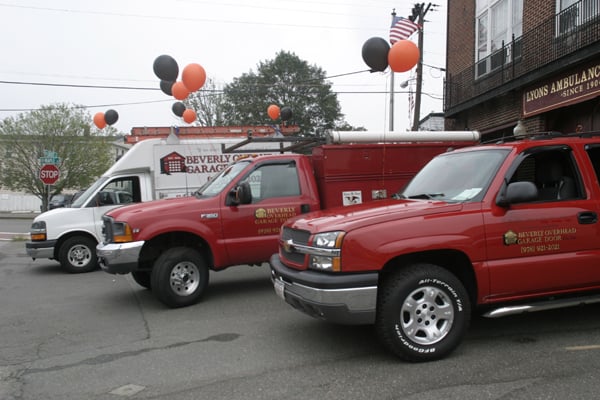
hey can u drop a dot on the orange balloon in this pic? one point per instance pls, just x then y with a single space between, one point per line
273 111
403 55
193 77
180 92
99 120
189 115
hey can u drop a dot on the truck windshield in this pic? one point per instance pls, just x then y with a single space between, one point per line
83 198
456 177
217 183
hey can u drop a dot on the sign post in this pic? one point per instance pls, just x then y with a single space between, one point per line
49 172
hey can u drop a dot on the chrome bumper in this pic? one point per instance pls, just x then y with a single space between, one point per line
343 299
119 258
43 249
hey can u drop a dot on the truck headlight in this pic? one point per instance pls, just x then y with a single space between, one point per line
326 251
38 231
122 232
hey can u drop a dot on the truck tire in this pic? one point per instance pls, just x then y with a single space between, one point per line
179 277
423 313
142 278
78 254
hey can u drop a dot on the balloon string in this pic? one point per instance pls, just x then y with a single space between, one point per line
338 75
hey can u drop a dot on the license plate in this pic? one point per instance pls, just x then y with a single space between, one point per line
279 289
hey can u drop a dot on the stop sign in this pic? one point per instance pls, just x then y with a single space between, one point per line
49 174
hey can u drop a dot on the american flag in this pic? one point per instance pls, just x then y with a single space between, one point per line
401 29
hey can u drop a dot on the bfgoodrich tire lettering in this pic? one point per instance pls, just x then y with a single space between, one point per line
179 277
423 312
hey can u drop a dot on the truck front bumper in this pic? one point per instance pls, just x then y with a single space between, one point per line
43 249
349 299
119 258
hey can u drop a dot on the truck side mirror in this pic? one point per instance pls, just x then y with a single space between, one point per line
517 192
241 194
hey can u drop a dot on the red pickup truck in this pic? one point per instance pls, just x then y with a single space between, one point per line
170 245
501 228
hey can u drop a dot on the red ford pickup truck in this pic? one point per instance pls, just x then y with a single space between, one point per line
170 245
499 229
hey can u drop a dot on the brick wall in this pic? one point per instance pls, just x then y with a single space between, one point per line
501 112
460 39
537 11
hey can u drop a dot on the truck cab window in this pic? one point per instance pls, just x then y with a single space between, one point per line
553 173
274 180
594 155
119 191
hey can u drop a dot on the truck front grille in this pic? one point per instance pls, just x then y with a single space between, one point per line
298 237
107 232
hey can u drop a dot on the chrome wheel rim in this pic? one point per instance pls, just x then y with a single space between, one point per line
184 279
427 315
79 255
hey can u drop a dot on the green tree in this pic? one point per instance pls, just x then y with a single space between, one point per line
208 104
284 81
84 152
345 126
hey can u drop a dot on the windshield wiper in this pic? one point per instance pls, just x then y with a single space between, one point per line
427 196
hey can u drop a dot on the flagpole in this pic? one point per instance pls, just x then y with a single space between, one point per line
391 127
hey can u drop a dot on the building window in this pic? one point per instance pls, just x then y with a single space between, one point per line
498 22
573 13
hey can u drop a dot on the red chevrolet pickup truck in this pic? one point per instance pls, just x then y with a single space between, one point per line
496 229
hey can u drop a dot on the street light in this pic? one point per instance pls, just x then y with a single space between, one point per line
404 84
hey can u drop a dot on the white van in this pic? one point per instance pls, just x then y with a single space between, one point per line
152 169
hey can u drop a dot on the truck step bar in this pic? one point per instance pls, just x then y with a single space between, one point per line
542 306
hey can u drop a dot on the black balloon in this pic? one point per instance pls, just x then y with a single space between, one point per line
375 53
286 113
166 68
111 116
178 108
166 86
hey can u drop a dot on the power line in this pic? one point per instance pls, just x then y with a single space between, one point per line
208 91
286 24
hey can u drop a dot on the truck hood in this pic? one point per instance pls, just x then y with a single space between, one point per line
55 213
357 216
155 208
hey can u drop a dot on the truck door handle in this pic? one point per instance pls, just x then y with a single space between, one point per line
587 217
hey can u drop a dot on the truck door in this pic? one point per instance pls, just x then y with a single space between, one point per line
117 192
550 244
251 230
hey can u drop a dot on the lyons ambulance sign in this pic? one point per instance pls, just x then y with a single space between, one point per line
570 88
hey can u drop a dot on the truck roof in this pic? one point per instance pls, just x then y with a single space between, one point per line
540 139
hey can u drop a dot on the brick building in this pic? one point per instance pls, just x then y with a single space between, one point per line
532 60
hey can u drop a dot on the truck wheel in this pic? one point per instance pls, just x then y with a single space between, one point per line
142 278
179 277
423 313
78 254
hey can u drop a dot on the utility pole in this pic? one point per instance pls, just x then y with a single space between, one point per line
391 127
418 13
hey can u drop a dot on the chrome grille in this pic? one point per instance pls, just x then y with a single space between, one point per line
107 232
298 237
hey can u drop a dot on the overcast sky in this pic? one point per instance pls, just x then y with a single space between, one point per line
115 42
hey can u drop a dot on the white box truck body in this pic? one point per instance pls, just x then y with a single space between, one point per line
152 169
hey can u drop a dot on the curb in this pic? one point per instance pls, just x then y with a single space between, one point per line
17 214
